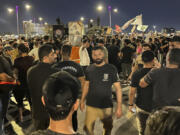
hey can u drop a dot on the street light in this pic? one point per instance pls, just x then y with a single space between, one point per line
115 10
28 7
40 19
91 20
82 19
10 10
154 26
45 23
99 7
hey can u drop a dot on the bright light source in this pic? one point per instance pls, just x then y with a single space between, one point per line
154 26
82 18
45 23
28 7
10 10
99 7
40 18
115 10
91 20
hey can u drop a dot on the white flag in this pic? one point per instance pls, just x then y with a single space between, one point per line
138 20
126 25
142 28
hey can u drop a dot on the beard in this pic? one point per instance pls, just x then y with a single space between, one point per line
98 61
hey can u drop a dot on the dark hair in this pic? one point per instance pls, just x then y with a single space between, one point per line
147 56
174 56
146 45
23 49
60 92
101 41
150 40
176 39
44 50
23 38
85 40
127 41
46 38
164 122
98 48
66 50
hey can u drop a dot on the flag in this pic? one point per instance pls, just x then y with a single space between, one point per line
133 29
118 29
142 28
126 25
109 30
138 20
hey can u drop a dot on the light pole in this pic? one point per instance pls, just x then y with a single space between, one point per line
110 19
17 17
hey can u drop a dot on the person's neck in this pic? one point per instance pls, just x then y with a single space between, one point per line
171 66
65 58
100 65
63 126
24 54
148 65
46 62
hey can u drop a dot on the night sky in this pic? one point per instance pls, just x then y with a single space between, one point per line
162 13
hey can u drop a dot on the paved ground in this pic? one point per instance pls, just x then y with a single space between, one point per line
126 125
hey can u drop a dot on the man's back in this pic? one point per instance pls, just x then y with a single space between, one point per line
36 77
71 67
166 86
144 95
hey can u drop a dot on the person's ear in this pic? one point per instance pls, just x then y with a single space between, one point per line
76 105
42 99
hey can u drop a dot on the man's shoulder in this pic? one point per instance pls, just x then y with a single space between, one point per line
66 63
48 132
41 132
141 72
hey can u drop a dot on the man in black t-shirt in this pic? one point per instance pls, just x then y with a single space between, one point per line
126 54
114 53
36 77
165 81
143 95
60 98
74 69
99 80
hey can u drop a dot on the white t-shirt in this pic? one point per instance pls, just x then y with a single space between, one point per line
84 56
34 53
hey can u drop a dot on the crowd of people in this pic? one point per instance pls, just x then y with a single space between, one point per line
42 71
